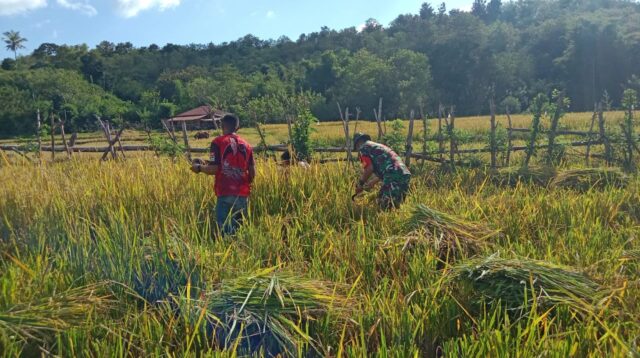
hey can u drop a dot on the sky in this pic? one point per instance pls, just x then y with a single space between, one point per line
143 22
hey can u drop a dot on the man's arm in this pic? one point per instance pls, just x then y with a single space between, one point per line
366 173
198 166
252 169
371 183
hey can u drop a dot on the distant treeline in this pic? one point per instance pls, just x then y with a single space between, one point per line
512 51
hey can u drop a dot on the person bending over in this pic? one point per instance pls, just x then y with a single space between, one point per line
384 165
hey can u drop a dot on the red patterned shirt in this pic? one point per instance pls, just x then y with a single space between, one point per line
233 156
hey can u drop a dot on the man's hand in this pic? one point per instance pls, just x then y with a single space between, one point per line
196 165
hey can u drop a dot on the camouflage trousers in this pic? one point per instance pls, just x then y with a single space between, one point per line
394 190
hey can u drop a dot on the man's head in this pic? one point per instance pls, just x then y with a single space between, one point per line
359 139
230 123
286 158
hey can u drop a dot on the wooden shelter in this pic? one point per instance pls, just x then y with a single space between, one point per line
203 117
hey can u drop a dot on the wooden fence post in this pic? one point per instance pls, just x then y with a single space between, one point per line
378 116
492 136
263 140
111 143
440 137
603 136
409 145
107 134
555 120
114 154
346 133
185 138
358 111
345 124
589 138
172 135
509 139
425 130
64 139
452 137
53 140
124 156
39 135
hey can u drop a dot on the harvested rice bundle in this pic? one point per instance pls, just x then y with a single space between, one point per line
451 236
518 283
268 311
513 175
37 319
585 179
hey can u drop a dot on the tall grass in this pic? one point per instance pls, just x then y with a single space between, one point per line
145 226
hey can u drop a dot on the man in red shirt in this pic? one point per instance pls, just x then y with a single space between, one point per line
231 162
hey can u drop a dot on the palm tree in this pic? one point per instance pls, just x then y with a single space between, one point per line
14 42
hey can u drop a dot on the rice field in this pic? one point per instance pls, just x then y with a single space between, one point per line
121 259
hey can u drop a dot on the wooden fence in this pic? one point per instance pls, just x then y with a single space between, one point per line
447 152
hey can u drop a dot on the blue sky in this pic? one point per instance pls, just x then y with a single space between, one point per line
144 22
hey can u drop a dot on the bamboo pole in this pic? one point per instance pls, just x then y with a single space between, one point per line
185 138
281 148
409 145
558 132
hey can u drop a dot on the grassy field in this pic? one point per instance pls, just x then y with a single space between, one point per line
121 259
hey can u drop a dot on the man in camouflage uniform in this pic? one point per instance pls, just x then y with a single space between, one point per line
387 166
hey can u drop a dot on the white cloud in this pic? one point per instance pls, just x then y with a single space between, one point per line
361 27
271 14
13 7
80 5
131 8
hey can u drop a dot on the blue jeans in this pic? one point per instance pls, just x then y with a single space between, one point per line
230 210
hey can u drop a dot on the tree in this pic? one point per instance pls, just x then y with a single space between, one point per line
14 42
479 9
442 10
427 12
494 9
411 81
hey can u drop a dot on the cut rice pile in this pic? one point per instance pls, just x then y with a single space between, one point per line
266 310
449 235
511 176
592 178
518 283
